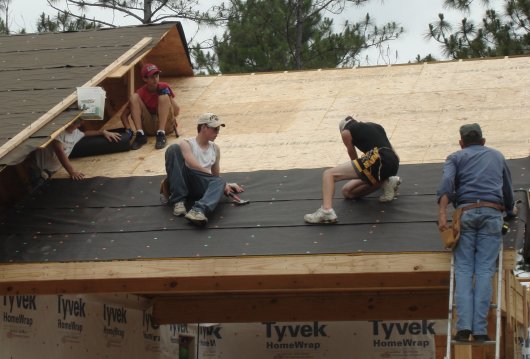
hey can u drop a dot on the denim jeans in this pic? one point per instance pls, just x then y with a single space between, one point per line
475 258
185 182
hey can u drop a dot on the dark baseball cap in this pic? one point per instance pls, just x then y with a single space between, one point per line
467 130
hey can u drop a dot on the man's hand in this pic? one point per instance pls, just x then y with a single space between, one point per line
111 136
233 187
513 213
76 176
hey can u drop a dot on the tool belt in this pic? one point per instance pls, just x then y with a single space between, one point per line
451 235
497 206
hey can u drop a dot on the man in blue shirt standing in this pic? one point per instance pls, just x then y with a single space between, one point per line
477 179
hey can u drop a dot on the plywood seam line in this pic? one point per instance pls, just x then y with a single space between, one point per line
64 104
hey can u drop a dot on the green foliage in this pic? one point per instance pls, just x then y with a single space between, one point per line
496 36
3 28
145 12
428 58
64 22
4 23
45 24
277 35
204 61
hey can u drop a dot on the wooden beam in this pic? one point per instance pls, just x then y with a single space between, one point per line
124 69
121 71
205 273
299 307
238 273
68 101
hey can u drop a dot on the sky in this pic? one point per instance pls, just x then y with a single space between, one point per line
413 15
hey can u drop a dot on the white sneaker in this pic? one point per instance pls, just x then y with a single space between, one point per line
389 189
321 216
179 209
196 217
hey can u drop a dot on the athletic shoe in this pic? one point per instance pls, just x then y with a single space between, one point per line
160 140
389 189
179 209
462 335
196 217
321 216
139 141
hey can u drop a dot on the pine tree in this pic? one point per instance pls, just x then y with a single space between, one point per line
279 35
145 12
496 36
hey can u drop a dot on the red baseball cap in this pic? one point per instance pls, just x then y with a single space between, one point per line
149 70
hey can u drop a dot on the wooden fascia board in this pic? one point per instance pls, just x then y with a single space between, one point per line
69 100
253 273
301 307
384 272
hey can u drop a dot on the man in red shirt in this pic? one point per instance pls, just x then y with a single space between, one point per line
153 109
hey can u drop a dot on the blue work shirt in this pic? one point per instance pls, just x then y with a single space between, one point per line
477 173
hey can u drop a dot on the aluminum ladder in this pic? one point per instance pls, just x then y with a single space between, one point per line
496 305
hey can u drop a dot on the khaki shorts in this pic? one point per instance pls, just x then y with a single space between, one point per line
150 121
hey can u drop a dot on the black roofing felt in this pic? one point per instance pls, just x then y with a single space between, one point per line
40 70
122 218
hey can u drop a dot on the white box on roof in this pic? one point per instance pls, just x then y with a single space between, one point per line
92 100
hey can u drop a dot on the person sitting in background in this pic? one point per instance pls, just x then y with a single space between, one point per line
44 162
152 108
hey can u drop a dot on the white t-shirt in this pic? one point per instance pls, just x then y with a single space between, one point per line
207 157
46 159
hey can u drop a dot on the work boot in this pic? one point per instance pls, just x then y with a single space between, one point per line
160 140
139 141
196 217
389 189
179 209
481 338
321 216
462 335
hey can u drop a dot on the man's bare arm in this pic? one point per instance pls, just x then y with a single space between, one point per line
347 140
190 159
216 168
65 161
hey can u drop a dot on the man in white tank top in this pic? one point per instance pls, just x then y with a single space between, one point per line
193 170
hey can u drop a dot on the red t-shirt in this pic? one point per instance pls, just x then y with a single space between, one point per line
150 99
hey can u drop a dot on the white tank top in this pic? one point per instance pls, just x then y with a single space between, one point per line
207 157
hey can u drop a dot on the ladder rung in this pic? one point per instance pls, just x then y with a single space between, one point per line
492 305
488 342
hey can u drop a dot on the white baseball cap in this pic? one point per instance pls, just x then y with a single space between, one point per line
210 119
